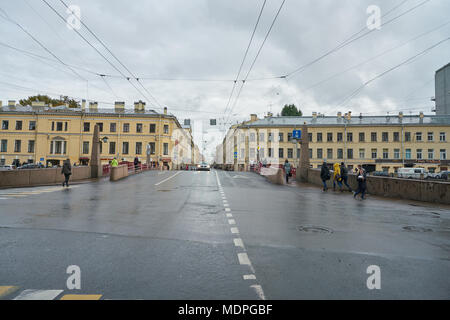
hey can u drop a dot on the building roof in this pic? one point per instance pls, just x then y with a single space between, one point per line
355 121
444 67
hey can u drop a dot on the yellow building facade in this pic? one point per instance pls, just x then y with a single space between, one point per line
49 135
380 143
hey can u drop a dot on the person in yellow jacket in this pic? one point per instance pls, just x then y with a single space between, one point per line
114 163
337 176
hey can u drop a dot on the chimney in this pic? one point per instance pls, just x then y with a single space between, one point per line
139 106
349 115
83 105
339 115
37 103
165 110
314 115
119 106
421 115
11 103
253 117
93 106
400 115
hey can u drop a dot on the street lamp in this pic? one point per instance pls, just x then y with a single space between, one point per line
104 139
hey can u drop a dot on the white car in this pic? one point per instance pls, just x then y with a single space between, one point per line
6 167
412 173
203 167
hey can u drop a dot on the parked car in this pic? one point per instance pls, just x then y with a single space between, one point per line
7 167
443 175
31 166
412 173
380 174
203 167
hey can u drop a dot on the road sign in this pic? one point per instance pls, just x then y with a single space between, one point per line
235 154
297 134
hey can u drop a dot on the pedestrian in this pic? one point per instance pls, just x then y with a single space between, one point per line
337 178
136 163
287 170
325 175
66 171
344 176
362 185
114 162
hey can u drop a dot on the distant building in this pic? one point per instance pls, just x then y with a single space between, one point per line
442 85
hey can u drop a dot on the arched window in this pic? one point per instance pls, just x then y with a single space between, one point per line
58 145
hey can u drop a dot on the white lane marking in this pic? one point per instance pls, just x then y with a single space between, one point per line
4 198
238 242
229 215
231 221
249 277
227 209
157 184
234 230
259 291
31 294
243 259
226 205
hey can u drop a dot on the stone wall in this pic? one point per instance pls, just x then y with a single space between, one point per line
420 190
35 177
119 172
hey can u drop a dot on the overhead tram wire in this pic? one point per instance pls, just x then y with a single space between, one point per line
360 88
101 54
351 40
115 57
256 58
245 55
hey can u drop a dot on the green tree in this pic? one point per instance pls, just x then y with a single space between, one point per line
55 102
290 110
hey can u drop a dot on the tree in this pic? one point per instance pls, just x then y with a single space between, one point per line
55 102
290 110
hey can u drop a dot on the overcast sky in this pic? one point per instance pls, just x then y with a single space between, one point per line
200 39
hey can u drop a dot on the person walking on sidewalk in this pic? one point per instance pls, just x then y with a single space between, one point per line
344 176
325 174
287 170
136 164
66 171
362 185
114 163
337 176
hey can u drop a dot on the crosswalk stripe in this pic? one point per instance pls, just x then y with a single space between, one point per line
5 290
81 297
32 294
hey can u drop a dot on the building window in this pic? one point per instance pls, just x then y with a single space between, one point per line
152 128
59 126
340 153
349 153
442 137
17 145
86 127
280 137
139 128
269 137
329 153
362 153
242 138
100 126
310 137
85 147
252 137
430 136
396 137
126 127
18 125
443 154
431 154
125 147
59 147
408 154
373 137
290 152
112 148
329 137
261 137
138 147
261 152
30 146
349 137
374 153
65 126
419 154
101 147
407 136
319 153
396 153
166 149
112 127
298 153
339 137
319 137
242 154
310 153
252 153
362 137
5 125
385 153
152 148
32 125
385 136
270 151
166 129
281 153
4 146
419 136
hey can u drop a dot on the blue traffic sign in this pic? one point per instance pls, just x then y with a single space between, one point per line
297 134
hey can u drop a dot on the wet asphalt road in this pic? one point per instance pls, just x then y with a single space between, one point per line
196 235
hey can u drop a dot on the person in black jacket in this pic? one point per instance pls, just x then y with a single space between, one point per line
362 185
344 176
66 171
325 175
